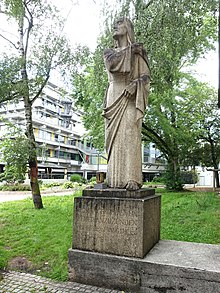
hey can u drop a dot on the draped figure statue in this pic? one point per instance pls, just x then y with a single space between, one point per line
125 103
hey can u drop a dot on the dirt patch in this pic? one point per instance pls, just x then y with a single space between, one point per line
8 248
20 263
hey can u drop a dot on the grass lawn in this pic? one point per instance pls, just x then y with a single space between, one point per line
43 237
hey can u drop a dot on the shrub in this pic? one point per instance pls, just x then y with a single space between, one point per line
159 179
92 179
68 185
15 187
76 178
52 184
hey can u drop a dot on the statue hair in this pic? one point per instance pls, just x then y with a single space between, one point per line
130 31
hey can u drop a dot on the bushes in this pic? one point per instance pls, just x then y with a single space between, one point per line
15 187
52 184
77 178
159 179
68 185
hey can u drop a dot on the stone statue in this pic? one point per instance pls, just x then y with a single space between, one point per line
125 103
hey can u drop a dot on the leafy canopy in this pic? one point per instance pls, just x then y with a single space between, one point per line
15 153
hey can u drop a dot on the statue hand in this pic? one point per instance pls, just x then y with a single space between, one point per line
130 89
137 48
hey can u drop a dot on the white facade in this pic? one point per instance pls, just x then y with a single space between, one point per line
58 133
205 177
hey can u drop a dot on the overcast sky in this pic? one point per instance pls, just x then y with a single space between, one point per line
83 25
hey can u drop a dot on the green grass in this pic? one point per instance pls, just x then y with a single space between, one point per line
44 236
191 216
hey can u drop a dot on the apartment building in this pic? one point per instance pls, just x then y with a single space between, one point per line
59 132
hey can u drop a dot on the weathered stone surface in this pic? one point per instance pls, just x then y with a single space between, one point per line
170 267
100 186
121 226
118 193
124 106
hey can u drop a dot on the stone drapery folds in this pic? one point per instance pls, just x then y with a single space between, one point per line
125 103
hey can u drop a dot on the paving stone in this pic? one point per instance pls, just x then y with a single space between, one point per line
16 282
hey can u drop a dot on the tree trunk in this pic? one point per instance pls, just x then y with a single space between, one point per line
216 174
173 177
32 162
214 160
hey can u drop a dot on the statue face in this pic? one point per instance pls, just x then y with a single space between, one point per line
120 29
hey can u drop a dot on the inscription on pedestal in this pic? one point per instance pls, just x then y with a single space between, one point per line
116 226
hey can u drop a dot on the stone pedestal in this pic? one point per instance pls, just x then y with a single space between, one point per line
115 222
120 226
112 222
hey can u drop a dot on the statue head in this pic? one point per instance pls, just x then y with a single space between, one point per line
123 26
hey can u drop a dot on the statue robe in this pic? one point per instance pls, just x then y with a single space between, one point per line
124 115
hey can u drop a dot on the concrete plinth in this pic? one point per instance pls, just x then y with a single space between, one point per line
118 193
170 267
116 225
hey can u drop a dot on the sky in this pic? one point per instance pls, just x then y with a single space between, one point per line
83 25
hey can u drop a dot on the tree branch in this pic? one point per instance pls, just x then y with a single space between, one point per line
153 135
9 97
9 41
42 87
148 4
30 25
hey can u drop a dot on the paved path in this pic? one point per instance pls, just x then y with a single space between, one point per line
15 282
19 195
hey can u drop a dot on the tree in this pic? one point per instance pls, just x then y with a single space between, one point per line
38 49
14 147
169 50
210 136
89 86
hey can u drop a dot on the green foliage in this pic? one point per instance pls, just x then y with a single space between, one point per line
40 48
189 177
15 187
68 185
52 184
159 179
15 151
77 178
93 179
176 99
10 87
172 177
173 180
90 81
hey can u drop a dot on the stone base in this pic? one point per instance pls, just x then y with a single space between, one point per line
120 226
118 193
170 267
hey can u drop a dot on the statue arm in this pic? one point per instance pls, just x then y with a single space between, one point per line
131 88
113 59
